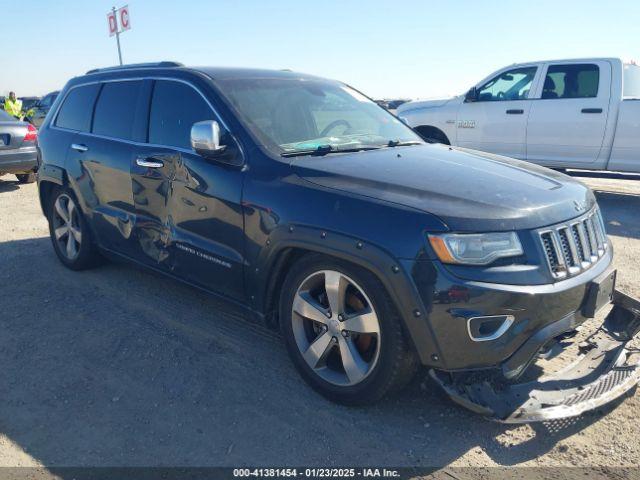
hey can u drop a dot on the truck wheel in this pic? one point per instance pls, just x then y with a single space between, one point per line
26 177
69 232
342 331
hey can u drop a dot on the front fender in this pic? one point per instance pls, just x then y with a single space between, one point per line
378 261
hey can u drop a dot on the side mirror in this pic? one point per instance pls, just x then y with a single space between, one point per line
205 139
472 95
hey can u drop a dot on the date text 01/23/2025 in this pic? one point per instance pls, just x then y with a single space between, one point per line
316 472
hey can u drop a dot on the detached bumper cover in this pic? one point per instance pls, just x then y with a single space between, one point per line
606 368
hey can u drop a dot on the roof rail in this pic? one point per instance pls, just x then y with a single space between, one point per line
165 64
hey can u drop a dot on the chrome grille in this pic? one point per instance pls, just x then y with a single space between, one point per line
574 246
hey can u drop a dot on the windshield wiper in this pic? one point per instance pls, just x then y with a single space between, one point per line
320 151
398 143
323 150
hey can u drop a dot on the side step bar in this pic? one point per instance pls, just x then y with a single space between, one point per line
605 369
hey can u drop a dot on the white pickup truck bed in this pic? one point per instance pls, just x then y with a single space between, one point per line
625 153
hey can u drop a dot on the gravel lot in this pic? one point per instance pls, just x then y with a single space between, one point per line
121 367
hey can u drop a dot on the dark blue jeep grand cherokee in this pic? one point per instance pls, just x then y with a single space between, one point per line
315 209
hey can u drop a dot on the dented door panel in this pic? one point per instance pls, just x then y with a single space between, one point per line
189 219
102 174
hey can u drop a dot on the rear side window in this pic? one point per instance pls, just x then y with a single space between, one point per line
631 81
77 108
116 108
571 81
175 107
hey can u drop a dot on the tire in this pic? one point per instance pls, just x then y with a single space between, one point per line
72 240
26 177
380 362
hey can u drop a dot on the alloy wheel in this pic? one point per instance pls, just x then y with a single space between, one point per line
66 226
336 328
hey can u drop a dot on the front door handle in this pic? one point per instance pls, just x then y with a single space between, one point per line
149 162
591 110
515 111
79 147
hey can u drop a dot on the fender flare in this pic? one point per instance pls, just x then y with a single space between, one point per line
49 174
378 261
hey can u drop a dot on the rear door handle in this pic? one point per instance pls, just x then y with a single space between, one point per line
78 147
591 110
515 111
149 162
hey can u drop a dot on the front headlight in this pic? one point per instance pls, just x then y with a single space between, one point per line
475 248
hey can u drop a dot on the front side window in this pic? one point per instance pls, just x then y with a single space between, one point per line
571 81
175 107
116 108
631 81
289 115
511 85
75 113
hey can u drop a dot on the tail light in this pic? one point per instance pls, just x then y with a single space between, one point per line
32 134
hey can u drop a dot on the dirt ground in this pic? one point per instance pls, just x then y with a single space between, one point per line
121 367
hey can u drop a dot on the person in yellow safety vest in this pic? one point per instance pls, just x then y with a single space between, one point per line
13 106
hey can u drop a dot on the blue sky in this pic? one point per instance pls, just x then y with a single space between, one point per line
413 48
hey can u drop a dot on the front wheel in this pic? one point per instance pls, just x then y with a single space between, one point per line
342 331
69 232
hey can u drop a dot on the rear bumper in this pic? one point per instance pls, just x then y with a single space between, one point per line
605 369
22 160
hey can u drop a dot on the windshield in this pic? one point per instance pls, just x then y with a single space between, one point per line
291 116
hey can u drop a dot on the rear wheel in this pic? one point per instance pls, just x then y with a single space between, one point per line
26 177
342 331
69 232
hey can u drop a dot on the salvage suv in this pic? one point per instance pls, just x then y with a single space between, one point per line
319 212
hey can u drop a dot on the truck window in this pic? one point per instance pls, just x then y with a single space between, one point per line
510 85
571 81
75 113
115 110
631 81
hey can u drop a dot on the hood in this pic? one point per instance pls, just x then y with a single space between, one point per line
419 104
466 189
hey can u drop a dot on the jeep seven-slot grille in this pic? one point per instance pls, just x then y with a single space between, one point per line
574 246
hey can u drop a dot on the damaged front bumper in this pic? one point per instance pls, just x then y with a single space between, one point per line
606 365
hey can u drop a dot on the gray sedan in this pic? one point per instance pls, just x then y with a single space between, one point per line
18 148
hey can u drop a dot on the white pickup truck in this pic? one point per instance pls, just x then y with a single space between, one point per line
562 113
